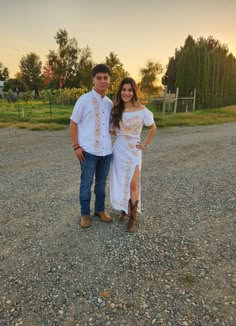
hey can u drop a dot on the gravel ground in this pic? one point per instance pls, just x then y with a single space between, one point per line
178 268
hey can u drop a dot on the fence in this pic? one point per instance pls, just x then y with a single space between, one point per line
172 103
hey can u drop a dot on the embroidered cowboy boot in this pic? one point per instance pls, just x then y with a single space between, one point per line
132 216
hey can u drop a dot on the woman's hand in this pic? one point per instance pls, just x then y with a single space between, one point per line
112 132
140 146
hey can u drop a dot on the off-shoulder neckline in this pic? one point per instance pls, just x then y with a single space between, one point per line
135 111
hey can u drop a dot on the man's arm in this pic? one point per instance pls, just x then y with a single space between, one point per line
74 137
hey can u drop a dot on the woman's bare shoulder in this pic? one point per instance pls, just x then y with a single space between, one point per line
141 107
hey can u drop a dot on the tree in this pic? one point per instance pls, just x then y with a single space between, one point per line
149 77
187 68
15 84
64 62
30 71
47 74
85 64
117 71
206 65
4 73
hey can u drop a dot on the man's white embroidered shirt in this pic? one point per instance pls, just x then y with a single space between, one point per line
92 115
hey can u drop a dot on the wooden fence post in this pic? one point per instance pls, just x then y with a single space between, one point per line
164 103
194 98
176 99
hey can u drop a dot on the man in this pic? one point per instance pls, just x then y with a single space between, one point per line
89 130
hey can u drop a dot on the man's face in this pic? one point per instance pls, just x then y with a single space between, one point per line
101 82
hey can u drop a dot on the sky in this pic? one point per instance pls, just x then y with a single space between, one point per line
135 30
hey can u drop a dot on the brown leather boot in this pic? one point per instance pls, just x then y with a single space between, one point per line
104 216
132 216
123 216
85 221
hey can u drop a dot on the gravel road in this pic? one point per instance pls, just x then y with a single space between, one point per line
178 268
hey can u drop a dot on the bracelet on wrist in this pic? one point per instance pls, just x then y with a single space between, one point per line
77 148
75 145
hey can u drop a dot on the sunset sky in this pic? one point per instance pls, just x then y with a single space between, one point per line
134 31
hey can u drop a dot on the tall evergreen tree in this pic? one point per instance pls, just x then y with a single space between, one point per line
187 68
206 65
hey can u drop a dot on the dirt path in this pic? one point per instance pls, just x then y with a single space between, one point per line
177 269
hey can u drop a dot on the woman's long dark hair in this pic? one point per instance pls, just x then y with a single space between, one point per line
118 106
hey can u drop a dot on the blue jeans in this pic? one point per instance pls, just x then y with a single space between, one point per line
99 167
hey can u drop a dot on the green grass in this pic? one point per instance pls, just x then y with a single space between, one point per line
198 117
36 116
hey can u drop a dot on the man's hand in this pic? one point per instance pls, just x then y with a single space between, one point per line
79 154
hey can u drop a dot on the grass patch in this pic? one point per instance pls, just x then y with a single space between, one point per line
37 115
34 115
198 117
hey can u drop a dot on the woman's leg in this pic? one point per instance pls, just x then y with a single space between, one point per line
134 199
134 186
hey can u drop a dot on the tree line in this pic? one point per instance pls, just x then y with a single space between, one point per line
207 65
69 66
204 64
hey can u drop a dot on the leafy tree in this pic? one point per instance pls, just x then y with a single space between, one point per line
27 96
31 72
4 73
85 64
149 77
15 84
47 74
117 71
63 63
11 97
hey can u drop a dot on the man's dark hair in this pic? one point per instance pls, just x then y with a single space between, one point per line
100 68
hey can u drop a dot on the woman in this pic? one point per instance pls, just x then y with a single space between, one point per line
127 120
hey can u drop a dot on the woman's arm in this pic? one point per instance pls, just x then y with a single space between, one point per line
150 136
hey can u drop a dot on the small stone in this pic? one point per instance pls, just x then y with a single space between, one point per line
158 316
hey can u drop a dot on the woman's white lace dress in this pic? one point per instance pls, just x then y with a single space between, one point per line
126 156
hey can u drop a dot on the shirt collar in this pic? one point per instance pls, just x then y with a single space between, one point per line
98 95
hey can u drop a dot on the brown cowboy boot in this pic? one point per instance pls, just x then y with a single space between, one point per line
123 216
104 216
132 216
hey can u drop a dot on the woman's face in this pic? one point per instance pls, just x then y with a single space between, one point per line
127 93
